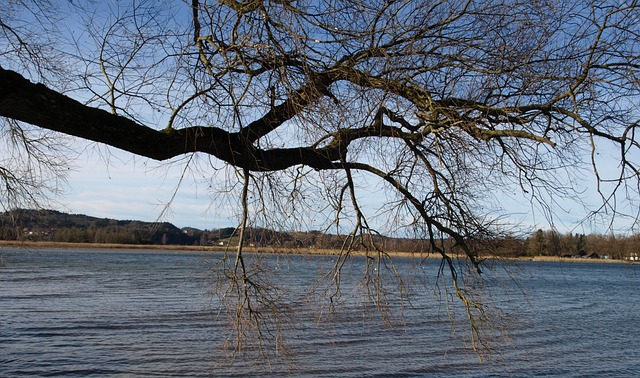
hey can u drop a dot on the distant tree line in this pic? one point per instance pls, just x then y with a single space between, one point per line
552 243
55 226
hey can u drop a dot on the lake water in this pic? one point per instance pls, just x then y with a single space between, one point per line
152 313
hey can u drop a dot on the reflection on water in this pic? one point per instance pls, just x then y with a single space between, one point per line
144 313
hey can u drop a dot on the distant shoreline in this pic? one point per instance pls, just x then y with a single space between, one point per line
290 251
197 248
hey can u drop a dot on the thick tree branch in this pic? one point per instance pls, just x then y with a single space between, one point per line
38 105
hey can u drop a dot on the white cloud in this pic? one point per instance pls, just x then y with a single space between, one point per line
126 188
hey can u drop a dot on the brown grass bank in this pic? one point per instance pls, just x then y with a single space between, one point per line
297 251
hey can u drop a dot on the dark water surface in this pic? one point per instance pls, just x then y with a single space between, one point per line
151 313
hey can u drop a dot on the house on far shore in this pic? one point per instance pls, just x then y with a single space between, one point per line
582 254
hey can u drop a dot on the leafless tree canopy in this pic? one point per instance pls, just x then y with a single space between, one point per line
442 104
